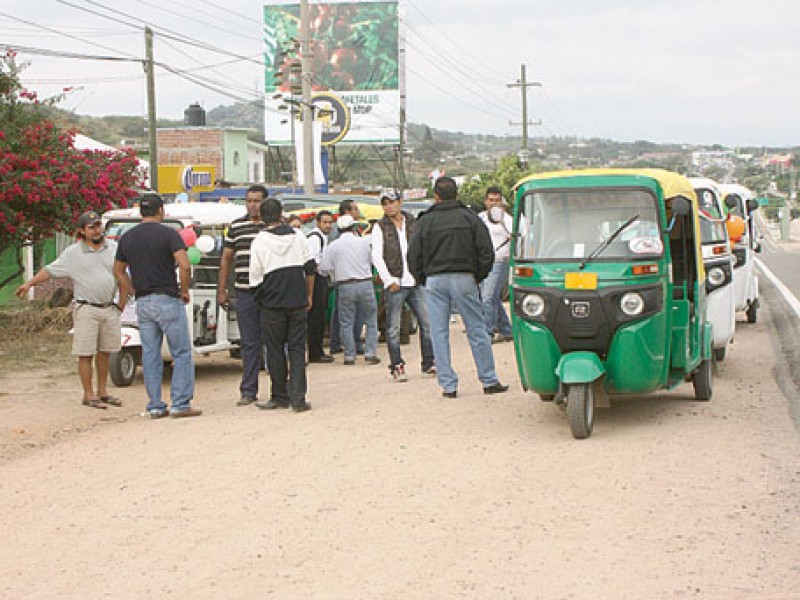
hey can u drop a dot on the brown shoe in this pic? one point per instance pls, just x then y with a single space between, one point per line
189 412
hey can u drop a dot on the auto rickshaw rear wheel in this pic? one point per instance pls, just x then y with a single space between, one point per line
580 410
122 367
703 381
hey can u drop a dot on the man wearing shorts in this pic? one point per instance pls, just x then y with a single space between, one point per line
89 264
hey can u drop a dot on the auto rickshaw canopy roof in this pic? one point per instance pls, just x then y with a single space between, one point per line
672 184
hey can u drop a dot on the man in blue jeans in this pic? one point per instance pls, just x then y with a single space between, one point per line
151 250
349 260
451 252
498 222
390 236
236 252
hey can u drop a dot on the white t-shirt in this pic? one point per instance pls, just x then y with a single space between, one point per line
500 233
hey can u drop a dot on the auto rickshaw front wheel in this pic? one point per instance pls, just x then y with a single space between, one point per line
580 410
703 381
122 367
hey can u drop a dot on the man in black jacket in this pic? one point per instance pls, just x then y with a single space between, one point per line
450 252
282 273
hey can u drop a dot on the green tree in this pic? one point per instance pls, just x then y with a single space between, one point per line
505 176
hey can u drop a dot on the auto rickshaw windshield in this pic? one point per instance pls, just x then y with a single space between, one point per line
569 225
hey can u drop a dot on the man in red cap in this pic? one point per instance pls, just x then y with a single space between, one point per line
89 263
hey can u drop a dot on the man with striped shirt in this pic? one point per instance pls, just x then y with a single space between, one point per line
236 252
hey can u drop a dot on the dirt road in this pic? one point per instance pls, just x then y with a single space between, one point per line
387 490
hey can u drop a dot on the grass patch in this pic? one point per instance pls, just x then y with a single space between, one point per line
34 336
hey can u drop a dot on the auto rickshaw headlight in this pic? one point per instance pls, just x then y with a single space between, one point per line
533 305
632 304
716 276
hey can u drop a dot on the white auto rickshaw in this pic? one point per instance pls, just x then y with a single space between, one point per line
741 203
718 263
213 329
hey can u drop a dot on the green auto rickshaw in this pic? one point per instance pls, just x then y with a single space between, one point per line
608 288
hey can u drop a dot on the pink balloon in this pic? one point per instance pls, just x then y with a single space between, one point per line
189 236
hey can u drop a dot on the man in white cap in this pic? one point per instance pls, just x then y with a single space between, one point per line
349 260
89 263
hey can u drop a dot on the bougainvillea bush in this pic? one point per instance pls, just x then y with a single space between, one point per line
45 182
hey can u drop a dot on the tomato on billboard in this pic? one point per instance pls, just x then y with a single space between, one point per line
354 54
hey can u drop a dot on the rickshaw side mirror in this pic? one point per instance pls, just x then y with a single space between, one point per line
752 204
730 201
681 207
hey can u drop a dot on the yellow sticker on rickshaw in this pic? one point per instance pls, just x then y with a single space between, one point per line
580 281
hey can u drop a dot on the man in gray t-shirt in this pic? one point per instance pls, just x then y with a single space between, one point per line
89 264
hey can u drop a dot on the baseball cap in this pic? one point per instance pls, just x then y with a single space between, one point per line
389 195
151 202
88 218
345 222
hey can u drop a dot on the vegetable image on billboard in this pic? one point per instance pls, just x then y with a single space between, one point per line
354 54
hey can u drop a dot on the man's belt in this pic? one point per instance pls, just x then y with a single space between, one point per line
344 281
95 304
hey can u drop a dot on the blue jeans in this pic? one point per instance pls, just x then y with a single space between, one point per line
248 314
158 316
494 315
415 298
336 328
459 290
357 305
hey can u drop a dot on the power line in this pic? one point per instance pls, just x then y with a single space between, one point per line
74 37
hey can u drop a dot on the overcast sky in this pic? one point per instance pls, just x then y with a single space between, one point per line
694 71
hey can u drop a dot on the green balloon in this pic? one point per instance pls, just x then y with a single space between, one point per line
194 255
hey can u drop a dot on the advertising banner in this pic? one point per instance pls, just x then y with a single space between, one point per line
355 71
174 179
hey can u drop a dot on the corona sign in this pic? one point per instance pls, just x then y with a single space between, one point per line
174 179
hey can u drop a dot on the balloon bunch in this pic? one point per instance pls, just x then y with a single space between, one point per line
196 246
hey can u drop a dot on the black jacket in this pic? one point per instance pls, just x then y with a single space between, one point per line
450 238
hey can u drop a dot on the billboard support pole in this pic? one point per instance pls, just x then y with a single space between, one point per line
307 108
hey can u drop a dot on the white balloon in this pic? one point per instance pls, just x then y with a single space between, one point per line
205 243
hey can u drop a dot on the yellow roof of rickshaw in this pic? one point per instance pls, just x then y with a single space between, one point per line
672 184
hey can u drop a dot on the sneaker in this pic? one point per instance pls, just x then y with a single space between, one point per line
158 413
500 338
453 394
399 373
372 360
302 407
429 370
495 388
246 401
349 361
189 412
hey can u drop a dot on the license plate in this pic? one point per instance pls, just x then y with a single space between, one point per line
580 281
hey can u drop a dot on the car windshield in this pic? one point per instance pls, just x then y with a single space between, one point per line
570 225
712 231
708 202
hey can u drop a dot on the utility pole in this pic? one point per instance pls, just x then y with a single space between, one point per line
401 150
149 68
786 211
523 84
307 107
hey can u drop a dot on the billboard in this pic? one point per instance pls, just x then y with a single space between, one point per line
355 57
